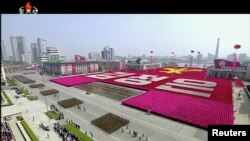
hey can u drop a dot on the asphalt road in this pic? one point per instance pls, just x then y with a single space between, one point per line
154 127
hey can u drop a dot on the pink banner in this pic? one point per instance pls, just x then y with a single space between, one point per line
79 58
221 63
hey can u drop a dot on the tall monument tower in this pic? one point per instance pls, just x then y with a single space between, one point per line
217 49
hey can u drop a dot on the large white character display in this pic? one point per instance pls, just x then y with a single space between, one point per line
143 79
192 84
104 76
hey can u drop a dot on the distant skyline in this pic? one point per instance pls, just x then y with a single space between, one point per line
133 34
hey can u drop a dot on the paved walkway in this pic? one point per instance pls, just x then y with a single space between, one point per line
17 134
35 109
241 107
154 127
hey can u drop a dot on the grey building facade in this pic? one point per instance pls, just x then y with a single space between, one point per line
3 50
18 47
108 53
34 52
42 45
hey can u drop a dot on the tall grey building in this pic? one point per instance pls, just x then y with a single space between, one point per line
26 59
34 52
42 45
230 57
3 50
242 57
18 47
94 55
108 53
199 57
210 57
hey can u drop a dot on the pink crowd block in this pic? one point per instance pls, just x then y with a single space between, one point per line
73 80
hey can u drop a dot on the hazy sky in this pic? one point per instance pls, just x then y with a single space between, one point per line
134 34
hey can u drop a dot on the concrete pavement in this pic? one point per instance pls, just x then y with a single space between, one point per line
155 127
35 109
242 107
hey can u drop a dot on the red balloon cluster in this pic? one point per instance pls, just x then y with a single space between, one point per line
237 46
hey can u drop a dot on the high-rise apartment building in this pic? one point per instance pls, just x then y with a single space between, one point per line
94 56
210 57
42 45
230 57
3 77
108 53
34 52
242 57
18 47
26 59
3 50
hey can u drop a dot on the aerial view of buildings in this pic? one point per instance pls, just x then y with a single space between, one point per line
123 77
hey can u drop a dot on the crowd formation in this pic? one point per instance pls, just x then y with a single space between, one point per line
109 122
67 103
54 109
23 79
36 85
72 123
18 91
64 134
6 133
49 92
108 90
134 133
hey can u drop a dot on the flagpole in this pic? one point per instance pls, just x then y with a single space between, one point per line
41 73
46 103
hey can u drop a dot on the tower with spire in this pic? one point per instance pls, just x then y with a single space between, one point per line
217 49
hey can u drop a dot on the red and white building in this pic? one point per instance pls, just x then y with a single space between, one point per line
70 68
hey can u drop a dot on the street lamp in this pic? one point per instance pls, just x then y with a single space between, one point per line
46 103
198 59
151 59
41 73
191 59
172 58
235 59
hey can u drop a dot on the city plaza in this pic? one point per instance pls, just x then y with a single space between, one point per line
168 103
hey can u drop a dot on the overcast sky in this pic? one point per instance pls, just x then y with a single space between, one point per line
134 34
